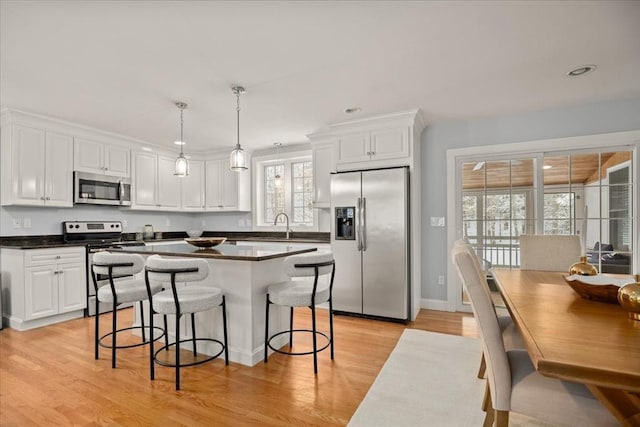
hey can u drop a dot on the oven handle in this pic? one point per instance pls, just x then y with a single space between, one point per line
121 191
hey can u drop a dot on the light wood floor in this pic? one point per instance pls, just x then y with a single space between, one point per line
48 376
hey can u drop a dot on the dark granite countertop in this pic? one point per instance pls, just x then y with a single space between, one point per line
244 252
56 240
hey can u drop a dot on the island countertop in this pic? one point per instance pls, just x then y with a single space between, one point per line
243 252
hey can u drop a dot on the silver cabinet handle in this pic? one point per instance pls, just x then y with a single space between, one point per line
363 221
359 224
42 198
56 272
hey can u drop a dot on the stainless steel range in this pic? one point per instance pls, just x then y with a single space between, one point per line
97 236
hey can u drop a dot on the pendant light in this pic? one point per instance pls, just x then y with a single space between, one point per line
238 159
182 165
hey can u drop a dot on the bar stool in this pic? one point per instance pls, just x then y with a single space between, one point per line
182 298
119 289
303 293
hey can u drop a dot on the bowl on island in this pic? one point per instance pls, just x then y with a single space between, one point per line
597 288
206 242
194 233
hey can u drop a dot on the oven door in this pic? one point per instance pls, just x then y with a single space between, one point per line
101 189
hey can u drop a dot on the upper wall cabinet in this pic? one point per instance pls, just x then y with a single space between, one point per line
101 158
192 187
36 167
382 144
226 190
323 155
155 187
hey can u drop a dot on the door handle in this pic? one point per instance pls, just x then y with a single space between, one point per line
363 221
359 224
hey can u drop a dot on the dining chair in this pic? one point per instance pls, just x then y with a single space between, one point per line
182 296
303 293
513 384
120 287
510 333
549 252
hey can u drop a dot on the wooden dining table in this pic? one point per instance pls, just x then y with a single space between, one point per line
576 339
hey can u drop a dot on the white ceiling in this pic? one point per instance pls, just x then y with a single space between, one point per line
119 66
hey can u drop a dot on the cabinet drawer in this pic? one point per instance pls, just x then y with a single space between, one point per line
35 257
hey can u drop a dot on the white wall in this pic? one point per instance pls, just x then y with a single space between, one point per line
436 140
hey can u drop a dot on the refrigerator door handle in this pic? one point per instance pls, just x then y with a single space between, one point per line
363 222
359 224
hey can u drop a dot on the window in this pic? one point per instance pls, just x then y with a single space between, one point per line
284 185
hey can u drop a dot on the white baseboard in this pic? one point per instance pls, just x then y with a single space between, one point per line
435 304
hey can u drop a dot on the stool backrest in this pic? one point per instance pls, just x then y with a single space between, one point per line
102 260
317 257
159 269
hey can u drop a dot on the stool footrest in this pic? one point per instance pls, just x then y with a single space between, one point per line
295 353
187 340
138 344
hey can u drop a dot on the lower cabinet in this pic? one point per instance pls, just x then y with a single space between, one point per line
43 286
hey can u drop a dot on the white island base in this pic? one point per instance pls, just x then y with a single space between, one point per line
244 284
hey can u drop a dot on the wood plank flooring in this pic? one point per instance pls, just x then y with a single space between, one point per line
48 376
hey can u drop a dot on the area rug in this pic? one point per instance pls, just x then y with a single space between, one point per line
429 380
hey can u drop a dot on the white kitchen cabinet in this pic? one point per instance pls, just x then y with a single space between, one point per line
192 187
155 187
323 164
380 144
226 190
100 158
37 167
44 285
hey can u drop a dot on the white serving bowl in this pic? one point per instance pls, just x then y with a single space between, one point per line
194 233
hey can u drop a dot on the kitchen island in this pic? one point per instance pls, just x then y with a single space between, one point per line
243 271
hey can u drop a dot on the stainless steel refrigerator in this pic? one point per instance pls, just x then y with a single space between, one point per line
370 240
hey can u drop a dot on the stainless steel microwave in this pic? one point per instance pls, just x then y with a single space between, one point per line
95 189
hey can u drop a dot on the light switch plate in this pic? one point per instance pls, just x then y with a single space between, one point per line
16 223
26 223
437 221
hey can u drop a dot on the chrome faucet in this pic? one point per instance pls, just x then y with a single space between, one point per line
275 222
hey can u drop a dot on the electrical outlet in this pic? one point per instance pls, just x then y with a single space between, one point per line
26 223
16 223
437 221
440 280
124 223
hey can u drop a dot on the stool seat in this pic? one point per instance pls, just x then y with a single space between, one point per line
127 291
193 299
294 293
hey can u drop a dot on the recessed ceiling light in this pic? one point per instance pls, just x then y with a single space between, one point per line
581 70
547 167
478 166
179 142
352 110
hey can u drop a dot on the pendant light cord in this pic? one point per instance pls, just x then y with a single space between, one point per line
238 117
181 130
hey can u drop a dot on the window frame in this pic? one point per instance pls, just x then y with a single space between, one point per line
258 199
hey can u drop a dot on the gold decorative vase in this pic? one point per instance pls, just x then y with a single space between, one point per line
583 268
629 298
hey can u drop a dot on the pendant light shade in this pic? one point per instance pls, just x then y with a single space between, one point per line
238 159
182 165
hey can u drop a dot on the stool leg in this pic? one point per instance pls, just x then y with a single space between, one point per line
142 322
152 370
193 333
224 330
290 327
177 351
315 340
114 326
331 325
166 335
266 329
97 327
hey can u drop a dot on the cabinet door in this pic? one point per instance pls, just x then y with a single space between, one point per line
116 161
58 170
354 148
168 184
41 291
88 156
145 171
213 178
72 289
192 192
323 165
390 143
28 152
229 187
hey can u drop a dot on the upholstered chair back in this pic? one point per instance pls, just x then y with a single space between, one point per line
156 262
102 260
316 257
473 279
549 252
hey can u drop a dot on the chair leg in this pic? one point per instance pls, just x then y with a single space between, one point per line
488 408
486 400
331 325
502 418
224 330
97 328
152 370
315 339
177 351
114 326
144 336
488 418
290 327
166 335
483 367
193 333
266 329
